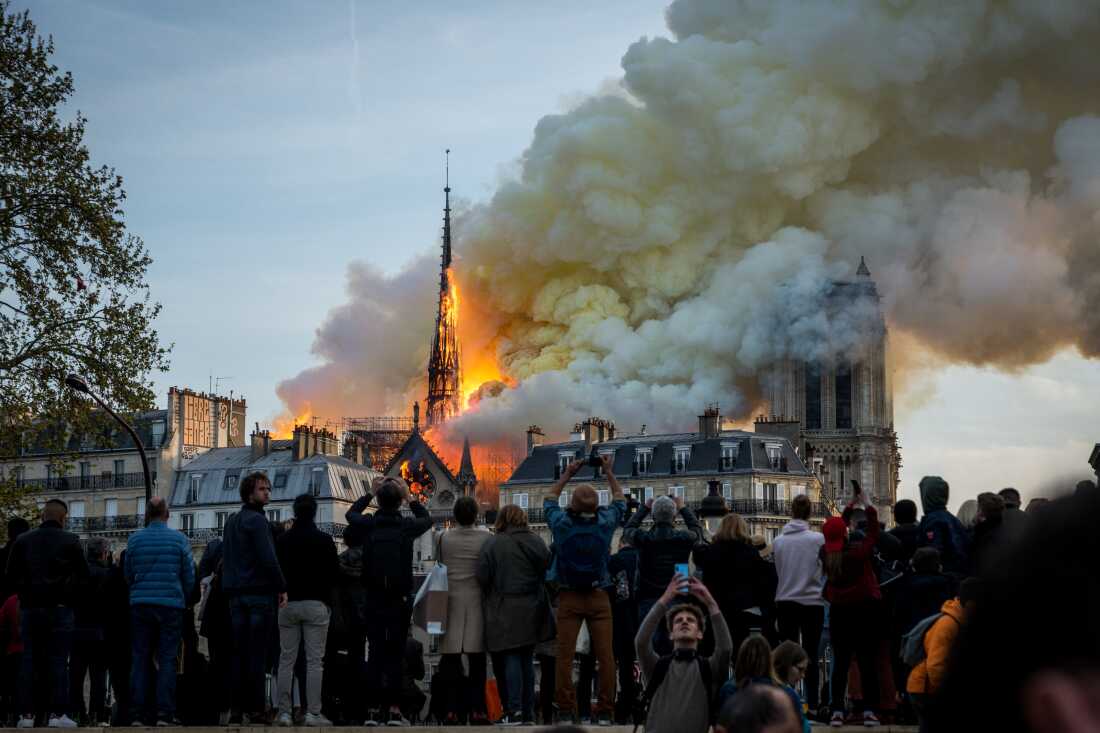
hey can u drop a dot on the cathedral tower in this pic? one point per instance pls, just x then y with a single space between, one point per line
444 370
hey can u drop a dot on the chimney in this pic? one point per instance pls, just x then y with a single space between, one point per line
535 437
610 430
710 422
326 443
302 447
260 442
353 449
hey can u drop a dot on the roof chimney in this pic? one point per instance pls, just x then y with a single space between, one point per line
260 442
710 422
353 449
535 437
303 443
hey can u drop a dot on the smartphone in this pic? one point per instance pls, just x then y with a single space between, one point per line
682 569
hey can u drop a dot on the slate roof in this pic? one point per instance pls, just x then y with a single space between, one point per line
706 456
217 463
109 436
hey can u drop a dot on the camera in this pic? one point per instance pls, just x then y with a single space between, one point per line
594 459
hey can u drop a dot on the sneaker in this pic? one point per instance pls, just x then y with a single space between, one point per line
603 720
223 717
317 721
397 720
61 721
27 721
564 718
870 720
511 720
283 720
374 718
137 724
837 721
162 723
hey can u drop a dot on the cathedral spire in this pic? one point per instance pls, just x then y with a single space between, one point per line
862 270
466 478
444 370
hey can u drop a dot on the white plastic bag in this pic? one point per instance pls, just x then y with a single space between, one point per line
430 604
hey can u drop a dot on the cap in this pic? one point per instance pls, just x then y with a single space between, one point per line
835 532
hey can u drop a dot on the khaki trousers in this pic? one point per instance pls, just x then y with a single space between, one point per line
594 608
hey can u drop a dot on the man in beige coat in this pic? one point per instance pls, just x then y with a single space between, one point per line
458 549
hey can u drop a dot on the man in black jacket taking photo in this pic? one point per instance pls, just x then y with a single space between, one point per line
387 574
254 584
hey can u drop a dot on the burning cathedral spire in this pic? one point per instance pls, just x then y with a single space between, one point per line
444 370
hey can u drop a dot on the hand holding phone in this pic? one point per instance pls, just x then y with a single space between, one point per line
682 569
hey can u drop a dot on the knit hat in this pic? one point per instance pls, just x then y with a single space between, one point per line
664 509
835 532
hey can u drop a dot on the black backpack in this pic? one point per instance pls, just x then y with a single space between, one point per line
641 704
385 566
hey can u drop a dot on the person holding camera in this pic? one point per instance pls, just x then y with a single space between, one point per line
582 538
680 688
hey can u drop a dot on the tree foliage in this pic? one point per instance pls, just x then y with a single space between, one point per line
73 296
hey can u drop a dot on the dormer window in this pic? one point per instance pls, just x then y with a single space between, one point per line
682 457
564 459
775 453
644 458
729 456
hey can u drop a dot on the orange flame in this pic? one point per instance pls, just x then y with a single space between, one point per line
283 427
479 365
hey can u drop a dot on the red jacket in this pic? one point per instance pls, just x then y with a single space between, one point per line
857 581
9 626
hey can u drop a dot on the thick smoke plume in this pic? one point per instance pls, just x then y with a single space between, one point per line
664 244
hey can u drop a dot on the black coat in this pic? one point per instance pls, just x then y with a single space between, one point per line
307 557
623 568
919 596
660 549
736 576
909 537
411 528
249 565
47 567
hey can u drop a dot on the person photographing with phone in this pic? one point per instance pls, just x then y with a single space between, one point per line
680 687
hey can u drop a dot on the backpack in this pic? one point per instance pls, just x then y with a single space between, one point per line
582 556
641 704
385 567
912 642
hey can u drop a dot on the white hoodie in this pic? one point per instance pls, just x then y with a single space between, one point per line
797 561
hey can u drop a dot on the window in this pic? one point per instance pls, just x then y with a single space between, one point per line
771 491
564 459
563 500
110 508
345 482
843 396
76 510
683 457
157 433
187 522
230 481
120 472
316 478
280 479
729 456
220 518
520 500
648 494
274 515
604 497
17 475
609 453
798 490
676 491
85 474
775 455
727 490
193 488
644 459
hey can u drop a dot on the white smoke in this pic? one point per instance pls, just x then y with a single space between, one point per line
663 245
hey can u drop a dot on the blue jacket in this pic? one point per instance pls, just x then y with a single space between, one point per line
159 567
561 524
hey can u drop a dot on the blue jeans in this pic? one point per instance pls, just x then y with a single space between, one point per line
154 629
253 620
519 680
46 632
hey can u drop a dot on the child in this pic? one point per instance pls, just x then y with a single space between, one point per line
790 662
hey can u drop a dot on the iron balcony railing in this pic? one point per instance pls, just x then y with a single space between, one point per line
744 507
87 483
106 524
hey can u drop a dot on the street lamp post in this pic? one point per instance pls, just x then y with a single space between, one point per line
79 384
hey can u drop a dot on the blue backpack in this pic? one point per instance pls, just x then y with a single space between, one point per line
582 556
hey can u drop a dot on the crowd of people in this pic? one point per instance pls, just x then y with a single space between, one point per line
675 629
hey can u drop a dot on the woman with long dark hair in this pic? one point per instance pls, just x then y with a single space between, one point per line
855 601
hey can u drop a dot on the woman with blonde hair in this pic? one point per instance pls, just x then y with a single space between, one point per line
737 577
512 570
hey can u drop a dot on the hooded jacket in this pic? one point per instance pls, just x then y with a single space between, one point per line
938 640
797 553
940 528
857 581
661 548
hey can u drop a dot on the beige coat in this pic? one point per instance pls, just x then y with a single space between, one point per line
459 549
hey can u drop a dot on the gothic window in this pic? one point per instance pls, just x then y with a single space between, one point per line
843 396
813 396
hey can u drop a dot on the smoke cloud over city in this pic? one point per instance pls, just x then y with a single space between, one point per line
664 243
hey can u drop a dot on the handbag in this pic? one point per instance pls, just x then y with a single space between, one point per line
430 604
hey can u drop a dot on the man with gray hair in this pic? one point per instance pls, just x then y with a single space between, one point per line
160 570
660 549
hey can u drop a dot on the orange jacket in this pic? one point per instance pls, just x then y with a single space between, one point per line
938 640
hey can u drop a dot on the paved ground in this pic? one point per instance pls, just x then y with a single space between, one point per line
612 729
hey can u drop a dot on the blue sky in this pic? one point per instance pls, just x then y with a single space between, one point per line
264 145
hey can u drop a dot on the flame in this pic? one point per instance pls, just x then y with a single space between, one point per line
415 487
479 364
282 428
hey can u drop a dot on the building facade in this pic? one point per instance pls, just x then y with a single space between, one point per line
206 491
838 411
757 474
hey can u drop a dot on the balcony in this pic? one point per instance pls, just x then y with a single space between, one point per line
122 523
87 483
744 507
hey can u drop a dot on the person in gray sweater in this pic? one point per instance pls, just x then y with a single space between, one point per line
681 700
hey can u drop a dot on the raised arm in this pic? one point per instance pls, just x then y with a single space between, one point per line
355 514
422 518
616 487
643 641
566 475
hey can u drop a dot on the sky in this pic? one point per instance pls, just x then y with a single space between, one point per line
265 145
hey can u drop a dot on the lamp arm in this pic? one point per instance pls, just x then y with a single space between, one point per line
137 443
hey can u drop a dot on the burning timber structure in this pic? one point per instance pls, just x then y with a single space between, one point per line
444 364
